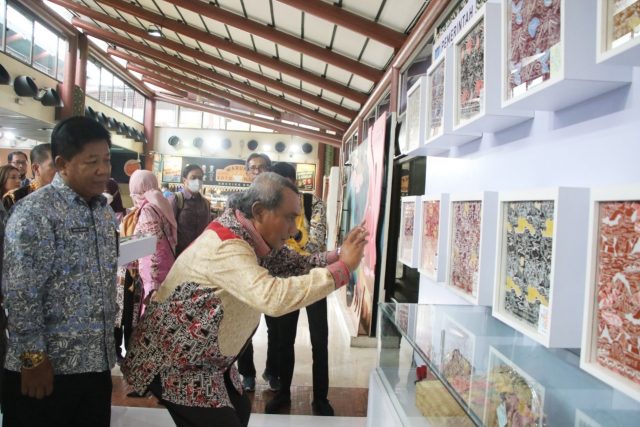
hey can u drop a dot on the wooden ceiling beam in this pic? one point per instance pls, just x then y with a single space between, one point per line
244 52
167 87
269 124
267 32
356 23
174 61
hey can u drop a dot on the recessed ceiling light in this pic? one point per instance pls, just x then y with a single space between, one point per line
154 31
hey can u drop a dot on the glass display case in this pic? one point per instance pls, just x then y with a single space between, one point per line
450 365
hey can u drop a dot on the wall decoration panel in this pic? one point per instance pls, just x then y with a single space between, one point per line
471 255
619 32
434 236
415 118
540 263
611 333
409 234
546 62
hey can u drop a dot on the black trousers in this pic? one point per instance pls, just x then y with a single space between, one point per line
191 416
125 330
287 326
245 359
78 400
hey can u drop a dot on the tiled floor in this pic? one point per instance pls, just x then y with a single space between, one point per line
349 370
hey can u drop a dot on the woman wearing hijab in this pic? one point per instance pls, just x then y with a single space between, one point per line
152 214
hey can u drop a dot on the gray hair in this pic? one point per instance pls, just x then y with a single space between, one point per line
267 189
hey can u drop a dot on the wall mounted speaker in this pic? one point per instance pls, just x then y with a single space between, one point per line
111 123
49 97
131 132
173 141
5 78
197 142
91 113
307 148
280 146
252 145
102 118
226 143
120 128
25 86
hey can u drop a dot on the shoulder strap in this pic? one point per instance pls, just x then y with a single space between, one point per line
179 200
307 199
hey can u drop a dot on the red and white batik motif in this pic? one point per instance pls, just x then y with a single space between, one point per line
618 288
431 226
465 248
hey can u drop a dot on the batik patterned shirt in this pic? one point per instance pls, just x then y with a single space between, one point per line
59 280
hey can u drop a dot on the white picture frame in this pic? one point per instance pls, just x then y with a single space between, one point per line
410 222
614 233
545 248
573 75
415 117
480 41
625 49
472 245
432 257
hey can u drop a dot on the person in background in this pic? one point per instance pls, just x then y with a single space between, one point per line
165 191
19 160
209 306
310 238
9 178
256 164
114 199
59 278
43 171
191 209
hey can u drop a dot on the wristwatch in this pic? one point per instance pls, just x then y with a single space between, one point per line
31 359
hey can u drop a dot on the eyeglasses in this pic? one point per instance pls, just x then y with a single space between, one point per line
261 168
19 162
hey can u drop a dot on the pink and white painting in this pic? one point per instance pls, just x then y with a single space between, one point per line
406 234
465 246
533 33
430 227
618 288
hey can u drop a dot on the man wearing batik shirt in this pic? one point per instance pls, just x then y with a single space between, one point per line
43 172
209 305
59 288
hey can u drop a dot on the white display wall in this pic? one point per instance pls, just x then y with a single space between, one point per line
592 144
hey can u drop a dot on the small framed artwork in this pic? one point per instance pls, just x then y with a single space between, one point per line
415 121
618 32
408 245
434 236
511 394
472 244
546 65
540 269
457 356
611 332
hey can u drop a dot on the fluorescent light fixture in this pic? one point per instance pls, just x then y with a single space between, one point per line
154 31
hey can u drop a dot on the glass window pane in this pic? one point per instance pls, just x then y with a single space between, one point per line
106 86
62 55
190 118
255 128
236 125
166 114
19 34
45 49
118 94
93 80
129 94
2 8
212 121
138 106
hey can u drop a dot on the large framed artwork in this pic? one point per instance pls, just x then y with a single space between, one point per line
540 267
472 243
362 201
433 243
546 59
171 169
513 397
618 32
477 82
611 332
415 124
410 222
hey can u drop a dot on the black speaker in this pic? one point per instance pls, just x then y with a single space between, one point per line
307 148
25 86
49 97
280 146
197 142
252 145
5 78
173 141
226 143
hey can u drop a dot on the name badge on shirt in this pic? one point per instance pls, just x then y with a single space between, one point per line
80 230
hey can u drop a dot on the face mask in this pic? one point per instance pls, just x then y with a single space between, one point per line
109 198
194 185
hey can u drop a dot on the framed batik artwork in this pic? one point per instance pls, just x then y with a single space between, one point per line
408 247
436 91
541 242
415 121
611 333
470 53
457 356
619 31
471 255
434 235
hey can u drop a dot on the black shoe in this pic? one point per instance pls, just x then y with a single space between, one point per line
280 401
136 394
322 407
